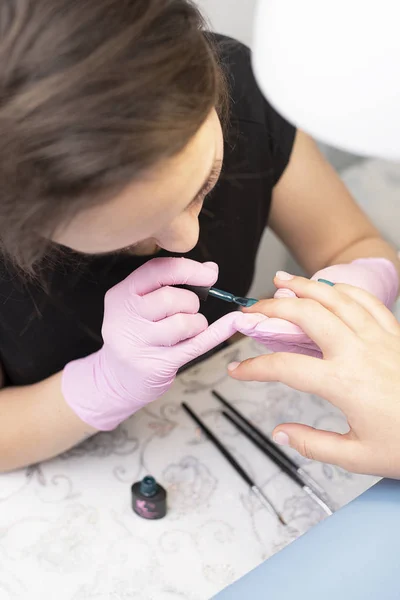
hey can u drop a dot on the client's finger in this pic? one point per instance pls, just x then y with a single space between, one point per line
323 446
344 306
382 315
298 371
321 325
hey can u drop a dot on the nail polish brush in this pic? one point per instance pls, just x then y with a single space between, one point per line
274 453
257 491
257 442
203 292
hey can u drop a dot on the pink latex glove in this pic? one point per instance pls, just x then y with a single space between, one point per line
149 332
378 276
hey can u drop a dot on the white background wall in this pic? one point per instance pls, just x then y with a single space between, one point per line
232 17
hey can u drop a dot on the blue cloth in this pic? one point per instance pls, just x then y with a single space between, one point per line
353 555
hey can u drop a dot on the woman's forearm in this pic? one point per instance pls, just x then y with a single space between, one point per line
317 218
36 424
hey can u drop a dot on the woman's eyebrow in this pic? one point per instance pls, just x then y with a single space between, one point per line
216 167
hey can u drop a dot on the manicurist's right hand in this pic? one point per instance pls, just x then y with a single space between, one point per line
150 330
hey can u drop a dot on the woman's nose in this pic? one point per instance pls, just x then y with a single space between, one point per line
181 236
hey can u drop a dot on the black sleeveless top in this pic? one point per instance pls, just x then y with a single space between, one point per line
44 324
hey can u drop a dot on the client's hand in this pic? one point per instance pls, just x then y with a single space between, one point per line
377 276
359 373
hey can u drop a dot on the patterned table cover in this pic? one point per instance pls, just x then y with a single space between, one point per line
67 530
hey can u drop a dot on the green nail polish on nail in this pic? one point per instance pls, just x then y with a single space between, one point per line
326 281
251 302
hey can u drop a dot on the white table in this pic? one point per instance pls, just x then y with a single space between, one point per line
67 530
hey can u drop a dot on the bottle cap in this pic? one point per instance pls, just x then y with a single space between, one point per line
148 486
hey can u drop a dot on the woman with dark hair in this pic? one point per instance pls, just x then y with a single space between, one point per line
128 132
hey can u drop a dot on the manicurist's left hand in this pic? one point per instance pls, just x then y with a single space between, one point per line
378 276
359 373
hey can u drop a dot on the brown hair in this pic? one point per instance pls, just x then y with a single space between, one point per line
93 93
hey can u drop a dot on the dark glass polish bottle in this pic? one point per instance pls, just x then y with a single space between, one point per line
149 499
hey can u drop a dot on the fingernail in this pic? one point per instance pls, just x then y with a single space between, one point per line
283 276
251 302
284 293
326 281
282 439
233 365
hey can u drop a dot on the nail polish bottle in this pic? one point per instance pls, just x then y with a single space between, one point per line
149 499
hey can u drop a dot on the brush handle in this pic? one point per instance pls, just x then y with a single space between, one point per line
224 451
291 472
275 453
200 291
